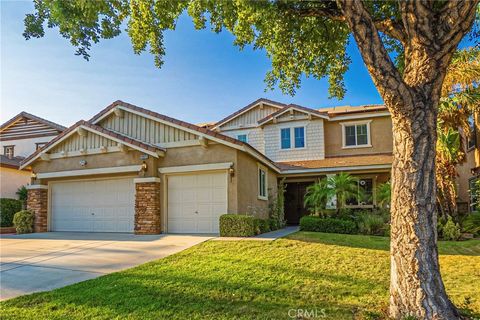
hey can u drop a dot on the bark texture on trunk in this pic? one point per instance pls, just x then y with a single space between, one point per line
429 40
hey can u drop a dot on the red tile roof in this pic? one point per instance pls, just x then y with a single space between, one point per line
338 162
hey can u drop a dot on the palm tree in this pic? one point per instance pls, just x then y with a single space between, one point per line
384 194
317 196
345 187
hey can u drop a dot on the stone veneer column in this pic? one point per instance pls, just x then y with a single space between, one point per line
147 205
37 202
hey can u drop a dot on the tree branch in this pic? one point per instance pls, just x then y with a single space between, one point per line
385 75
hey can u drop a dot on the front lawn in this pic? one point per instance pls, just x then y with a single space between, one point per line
347 276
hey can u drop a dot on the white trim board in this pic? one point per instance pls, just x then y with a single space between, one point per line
195 168
86 172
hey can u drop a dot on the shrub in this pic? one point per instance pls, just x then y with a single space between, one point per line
471 223
8 207
23 221
451 230
371 223
263 225
238 225
330 225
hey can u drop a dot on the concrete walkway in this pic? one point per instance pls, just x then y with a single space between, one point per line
45 261
269 236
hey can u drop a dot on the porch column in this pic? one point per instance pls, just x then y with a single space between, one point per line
147 205
37 202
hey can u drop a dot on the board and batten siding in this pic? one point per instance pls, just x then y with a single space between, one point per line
77 142
249 118
27 128
255 137
295 115
146 130
314 142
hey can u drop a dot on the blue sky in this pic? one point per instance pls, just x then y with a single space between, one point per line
204 77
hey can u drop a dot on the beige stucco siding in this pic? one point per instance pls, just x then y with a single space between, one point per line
380 135
11 180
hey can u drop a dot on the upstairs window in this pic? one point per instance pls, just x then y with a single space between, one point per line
356 135
262 183
471 143
8 151
297 139
242 137
285 138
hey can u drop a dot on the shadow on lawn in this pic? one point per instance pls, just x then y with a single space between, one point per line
465 248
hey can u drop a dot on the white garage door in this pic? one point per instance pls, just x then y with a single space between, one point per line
195 202
93 206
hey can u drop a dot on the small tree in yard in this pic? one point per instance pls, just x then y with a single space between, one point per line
317 195
310 38
384 194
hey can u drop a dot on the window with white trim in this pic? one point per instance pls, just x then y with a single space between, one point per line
364 196
297 139
262 183
356 134
242 137
9 151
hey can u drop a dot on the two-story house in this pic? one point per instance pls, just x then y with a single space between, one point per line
129 169
20 137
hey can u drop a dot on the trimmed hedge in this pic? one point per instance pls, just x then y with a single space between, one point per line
329 225
238 225
8 207
23 221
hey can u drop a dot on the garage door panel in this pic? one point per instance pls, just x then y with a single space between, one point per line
203 200
111 202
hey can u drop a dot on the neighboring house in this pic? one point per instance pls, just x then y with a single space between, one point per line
129 169
469 171
20 137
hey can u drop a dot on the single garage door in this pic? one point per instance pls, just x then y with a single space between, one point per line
93 206
196 201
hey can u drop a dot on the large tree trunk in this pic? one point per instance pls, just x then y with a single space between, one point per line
416 286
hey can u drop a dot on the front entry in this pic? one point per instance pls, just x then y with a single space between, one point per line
294 208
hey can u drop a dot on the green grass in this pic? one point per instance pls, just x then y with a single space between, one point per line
347 276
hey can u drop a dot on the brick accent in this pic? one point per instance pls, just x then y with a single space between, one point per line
147 208
37 202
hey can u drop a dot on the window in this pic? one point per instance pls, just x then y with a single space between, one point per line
285 138
365 194
298 136
39 145
9 151
242 137
262 183
473 186
356 134
471 138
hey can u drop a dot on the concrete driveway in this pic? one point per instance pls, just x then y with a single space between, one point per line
45 261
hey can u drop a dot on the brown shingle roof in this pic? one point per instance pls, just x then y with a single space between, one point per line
233 115
27 115
107 132
338 162
7 162
345 110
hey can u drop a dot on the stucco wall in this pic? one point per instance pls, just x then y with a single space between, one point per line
380 134
11 180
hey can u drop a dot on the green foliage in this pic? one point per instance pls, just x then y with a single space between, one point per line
451 230
345 187
471 223
262 225
384 194
371 223
23 221
238 225
22 194
277 206
330 225
8 207
317 195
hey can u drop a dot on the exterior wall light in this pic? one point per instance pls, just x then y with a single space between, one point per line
144 167
83 163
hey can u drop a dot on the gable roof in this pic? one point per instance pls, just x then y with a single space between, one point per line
352 110
201 131
26 115
248 107
296 107
133 143
13 163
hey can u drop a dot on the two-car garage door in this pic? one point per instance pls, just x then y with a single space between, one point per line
93 206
